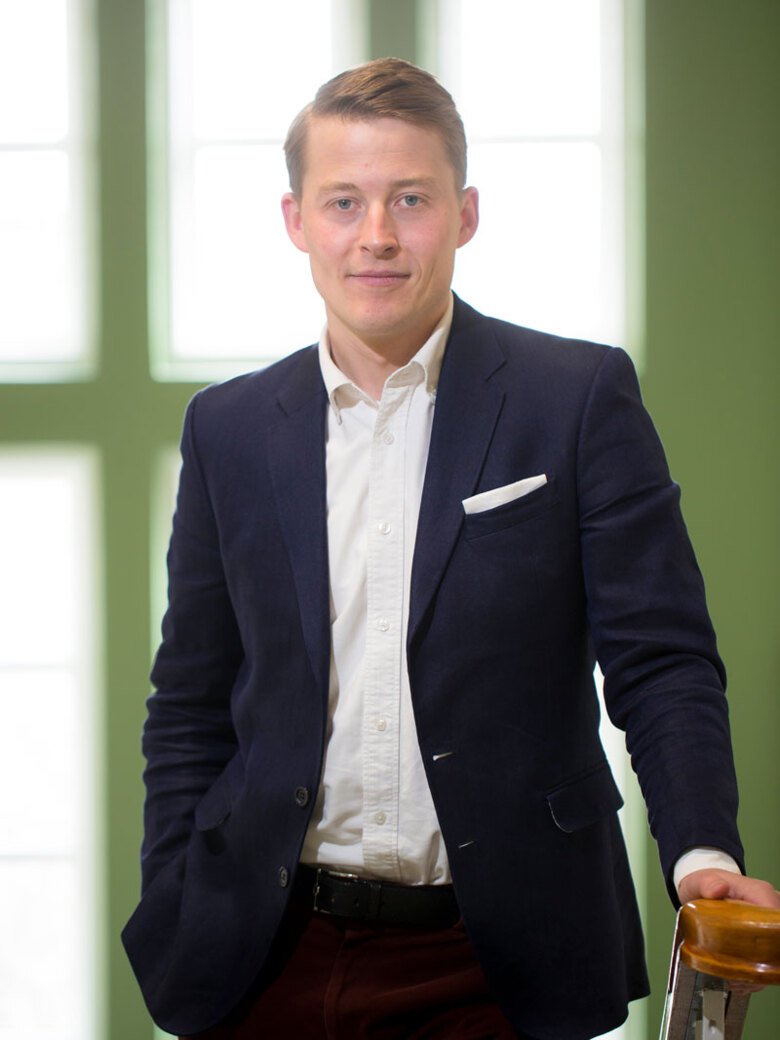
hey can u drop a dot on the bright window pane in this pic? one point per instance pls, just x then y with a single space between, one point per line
45 328
42 992
256 64
237 293
239 284
33 71
47 757
519 79
39 561
49 897
531 263
37 272
539 86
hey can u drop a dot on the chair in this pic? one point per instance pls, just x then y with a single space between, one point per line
716 942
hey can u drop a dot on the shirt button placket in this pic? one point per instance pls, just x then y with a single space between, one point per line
385 563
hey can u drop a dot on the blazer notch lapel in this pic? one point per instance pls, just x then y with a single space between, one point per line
468 405
296 460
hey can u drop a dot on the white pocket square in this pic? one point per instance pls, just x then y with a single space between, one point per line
501 495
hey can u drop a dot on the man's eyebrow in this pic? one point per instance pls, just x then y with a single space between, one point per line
416 182
338 187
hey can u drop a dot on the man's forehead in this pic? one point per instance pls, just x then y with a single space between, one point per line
340 151
322 131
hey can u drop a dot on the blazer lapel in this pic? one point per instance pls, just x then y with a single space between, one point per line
467 409
296 458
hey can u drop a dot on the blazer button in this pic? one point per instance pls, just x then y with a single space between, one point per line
302 796
284 877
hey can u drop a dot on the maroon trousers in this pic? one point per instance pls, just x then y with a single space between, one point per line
338 979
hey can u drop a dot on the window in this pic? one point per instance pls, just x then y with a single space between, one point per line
45 256
539 86
49 890
198 93
229 292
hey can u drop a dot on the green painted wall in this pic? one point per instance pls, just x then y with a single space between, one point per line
712 366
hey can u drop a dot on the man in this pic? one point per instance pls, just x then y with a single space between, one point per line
377 804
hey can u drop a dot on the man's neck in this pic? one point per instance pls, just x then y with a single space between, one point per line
367 368
369 363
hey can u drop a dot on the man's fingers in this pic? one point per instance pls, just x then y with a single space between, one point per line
716 889
722 884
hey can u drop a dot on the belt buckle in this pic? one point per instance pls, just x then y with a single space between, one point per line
341 875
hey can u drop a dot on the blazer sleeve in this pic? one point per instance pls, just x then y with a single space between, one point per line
189 735
664 681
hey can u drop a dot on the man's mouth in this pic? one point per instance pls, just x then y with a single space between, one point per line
379 278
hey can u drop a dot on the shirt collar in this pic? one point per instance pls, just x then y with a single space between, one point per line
429 358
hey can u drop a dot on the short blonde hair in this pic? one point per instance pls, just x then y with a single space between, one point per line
381 89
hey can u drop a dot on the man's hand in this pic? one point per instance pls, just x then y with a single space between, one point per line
723 884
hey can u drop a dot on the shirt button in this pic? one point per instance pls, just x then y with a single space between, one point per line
381 725
384 527
380 818
302 796
284 877
382 624
387 437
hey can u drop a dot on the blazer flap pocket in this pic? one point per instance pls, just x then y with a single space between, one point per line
585 799
217 803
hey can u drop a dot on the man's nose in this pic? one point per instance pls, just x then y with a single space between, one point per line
379 235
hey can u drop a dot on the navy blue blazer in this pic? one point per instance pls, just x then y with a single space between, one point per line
509 611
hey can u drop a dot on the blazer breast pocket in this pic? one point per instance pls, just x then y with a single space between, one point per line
532 497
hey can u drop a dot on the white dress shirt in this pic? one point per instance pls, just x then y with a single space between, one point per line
374 814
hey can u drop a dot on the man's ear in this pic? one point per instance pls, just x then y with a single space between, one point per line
291 211
469 216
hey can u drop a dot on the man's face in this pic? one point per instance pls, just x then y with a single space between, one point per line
380 216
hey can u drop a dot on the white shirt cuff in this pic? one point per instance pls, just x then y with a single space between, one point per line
702 859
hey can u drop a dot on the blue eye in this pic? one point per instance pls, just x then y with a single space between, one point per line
343 204
411 200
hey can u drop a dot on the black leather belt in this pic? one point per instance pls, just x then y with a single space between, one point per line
362 899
